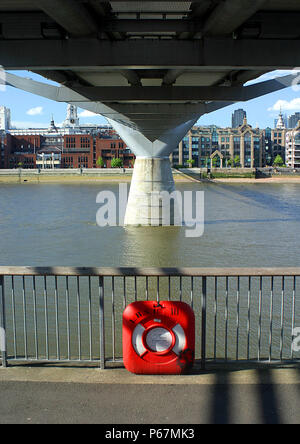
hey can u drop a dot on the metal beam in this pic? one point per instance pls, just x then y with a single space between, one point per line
132 77
148 94
171 76
184 93
69 14
209 53
229 15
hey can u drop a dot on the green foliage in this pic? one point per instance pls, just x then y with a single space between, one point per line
116 163
191 163
278 161
215 161
237 161
100 162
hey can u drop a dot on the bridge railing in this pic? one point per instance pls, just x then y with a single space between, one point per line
74 315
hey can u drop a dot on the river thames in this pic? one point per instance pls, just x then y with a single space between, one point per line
246 225
250 225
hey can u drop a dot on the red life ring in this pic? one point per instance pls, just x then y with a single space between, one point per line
158 338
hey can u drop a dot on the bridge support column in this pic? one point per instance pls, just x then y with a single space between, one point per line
150 176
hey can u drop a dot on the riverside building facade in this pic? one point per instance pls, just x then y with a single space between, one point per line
73 145
70 146
293 147
221 147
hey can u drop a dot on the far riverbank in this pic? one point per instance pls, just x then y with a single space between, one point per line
125 175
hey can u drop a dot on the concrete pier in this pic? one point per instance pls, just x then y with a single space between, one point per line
150 177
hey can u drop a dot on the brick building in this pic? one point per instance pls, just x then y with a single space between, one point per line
63 151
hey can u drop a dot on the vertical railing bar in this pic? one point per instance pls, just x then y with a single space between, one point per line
249 318
226 317
90 320
113 317
169 288
260 317
25 319
78 319
293 316
271 318
102 323
135 288
180 288
56 319
124 292
157 290
192 292
216 318
147 288
282 317
3 324
68 317
13 303
238 318
35 317
46 317
203 333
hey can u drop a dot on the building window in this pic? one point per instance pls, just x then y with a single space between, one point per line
85 142
70 142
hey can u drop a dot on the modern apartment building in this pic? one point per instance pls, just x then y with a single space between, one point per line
293 147
220 147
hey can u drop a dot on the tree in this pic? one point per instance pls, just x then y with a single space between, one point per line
215 161
191 163
116 163
229 162
100 162
278 162
237 161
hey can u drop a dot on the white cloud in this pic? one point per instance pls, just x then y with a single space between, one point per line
35 111
284 105
87 113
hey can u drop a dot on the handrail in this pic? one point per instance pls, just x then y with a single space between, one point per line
141 271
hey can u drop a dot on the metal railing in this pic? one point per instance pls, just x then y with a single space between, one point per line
75 314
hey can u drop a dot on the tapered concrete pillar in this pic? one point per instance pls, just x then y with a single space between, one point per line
150 177
152 174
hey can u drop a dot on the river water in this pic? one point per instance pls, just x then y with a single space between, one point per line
252 225
246 225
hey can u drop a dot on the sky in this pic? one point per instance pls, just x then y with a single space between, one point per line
31 111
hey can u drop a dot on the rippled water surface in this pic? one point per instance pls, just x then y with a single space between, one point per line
245 225
251 225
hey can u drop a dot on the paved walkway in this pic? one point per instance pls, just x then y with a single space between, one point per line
78 395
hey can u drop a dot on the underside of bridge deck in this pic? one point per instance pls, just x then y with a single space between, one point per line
152 68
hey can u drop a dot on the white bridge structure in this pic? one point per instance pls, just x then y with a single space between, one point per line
152 68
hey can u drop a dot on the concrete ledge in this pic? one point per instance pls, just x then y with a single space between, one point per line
68 172
122 376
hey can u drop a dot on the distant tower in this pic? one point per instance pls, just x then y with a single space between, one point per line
5 122
52 127
238 118
72 119
280 123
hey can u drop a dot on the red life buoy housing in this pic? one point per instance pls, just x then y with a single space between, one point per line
158 338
